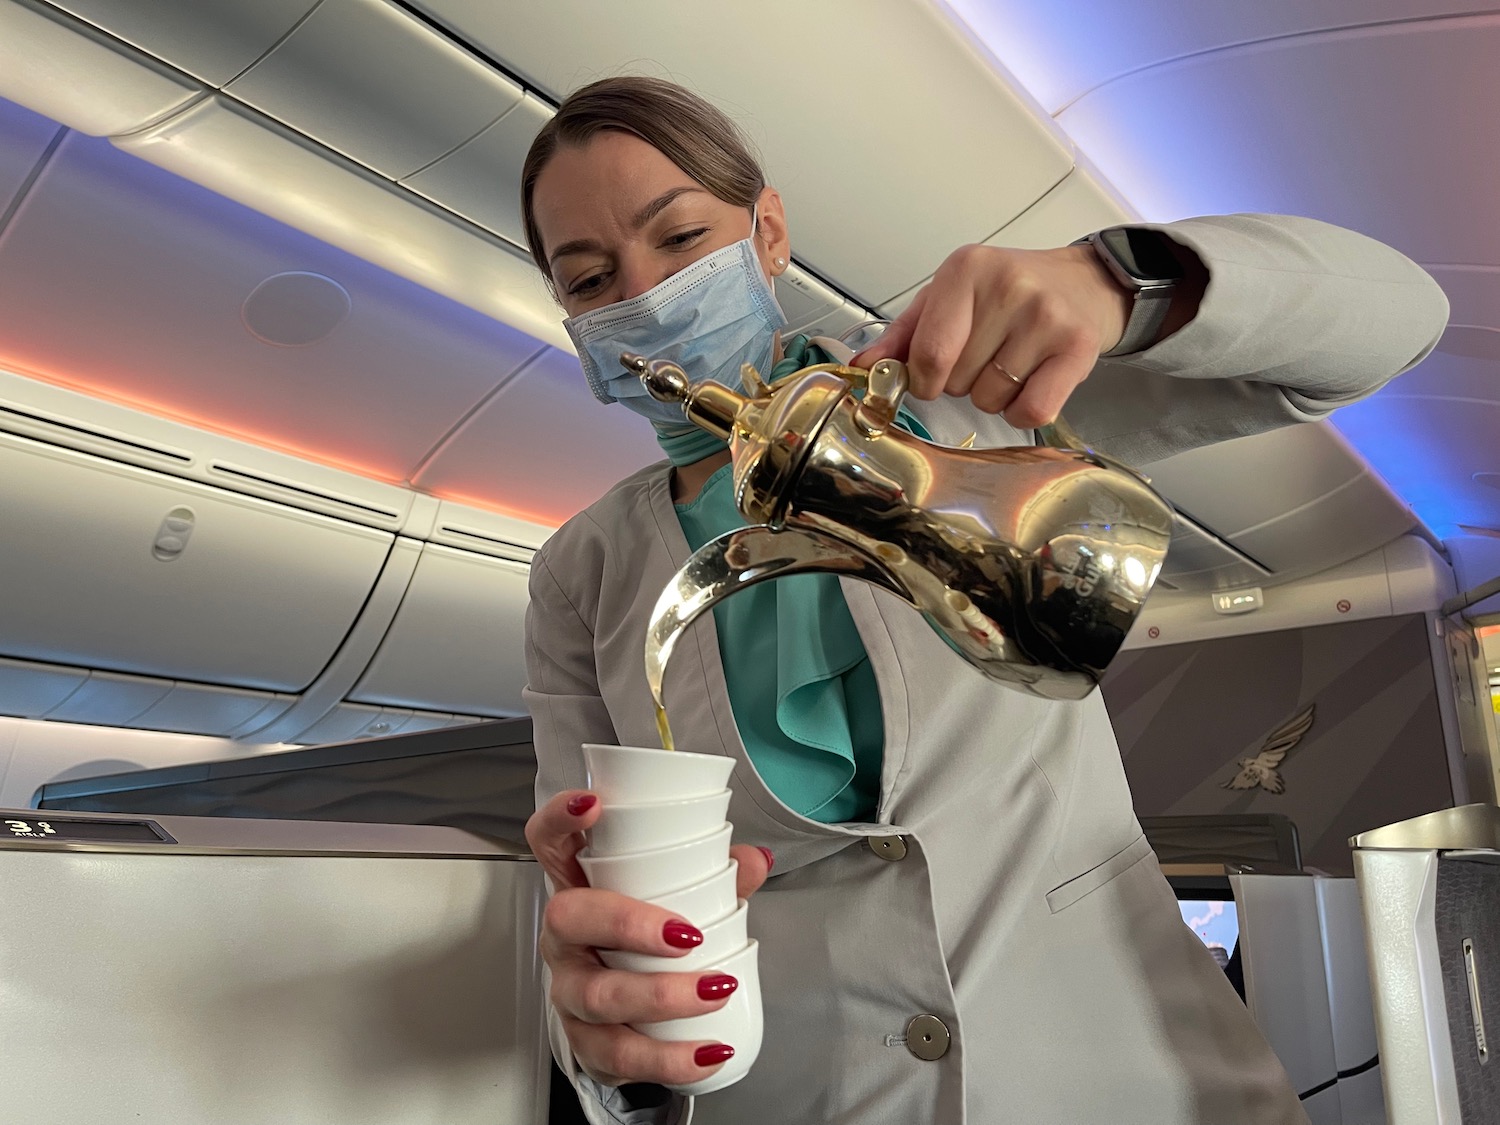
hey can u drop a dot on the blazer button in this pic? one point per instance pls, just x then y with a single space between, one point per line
888 848
927 1037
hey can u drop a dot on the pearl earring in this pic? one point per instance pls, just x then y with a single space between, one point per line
781 263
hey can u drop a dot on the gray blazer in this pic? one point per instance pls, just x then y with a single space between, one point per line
1027 911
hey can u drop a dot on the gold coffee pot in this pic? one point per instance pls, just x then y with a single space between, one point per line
1031 562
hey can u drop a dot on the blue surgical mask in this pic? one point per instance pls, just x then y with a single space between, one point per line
709 317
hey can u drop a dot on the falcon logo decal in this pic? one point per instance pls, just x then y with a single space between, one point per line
1260 771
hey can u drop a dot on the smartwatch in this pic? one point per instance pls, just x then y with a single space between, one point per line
1142 261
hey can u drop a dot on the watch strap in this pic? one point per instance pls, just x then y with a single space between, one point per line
1152 300
1147 315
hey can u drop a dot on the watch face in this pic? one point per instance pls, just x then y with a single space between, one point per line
1143 254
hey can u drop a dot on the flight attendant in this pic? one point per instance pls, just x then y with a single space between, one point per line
950 855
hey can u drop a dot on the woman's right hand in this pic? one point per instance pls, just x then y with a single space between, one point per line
596 1003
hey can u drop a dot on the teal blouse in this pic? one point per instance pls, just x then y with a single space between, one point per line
800 682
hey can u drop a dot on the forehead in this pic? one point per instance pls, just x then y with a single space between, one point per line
600 185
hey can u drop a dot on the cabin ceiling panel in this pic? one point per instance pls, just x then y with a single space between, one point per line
1473 293
1430 433
213 40
1073 208
852 102
542 445
124 281
1357 129
1064 48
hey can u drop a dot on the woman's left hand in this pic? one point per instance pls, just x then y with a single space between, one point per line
1014 330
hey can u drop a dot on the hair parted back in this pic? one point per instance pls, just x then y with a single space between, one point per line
688 131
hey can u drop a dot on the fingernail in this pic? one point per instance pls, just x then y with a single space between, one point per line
716 986
582 803
713 1054
679 935
770 858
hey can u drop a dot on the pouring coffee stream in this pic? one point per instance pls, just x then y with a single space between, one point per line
1030 562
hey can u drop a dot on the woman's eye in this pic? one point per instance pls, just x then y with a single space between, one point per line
587 286
686 237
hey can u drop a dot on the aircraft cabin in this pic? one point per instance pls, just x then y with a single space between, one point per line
287 413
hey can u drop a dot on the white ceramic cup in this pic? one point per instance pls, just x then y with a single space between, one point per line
705 902
648 874
633 775
722 939
623 829
738 1023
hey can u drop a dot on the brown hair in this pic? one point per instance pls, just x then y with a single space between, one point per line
684 128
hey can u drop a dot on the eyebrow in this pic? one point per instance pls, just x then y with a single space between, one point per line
642 217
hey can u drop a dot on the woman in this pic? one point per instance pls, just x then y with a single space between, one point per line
1006 948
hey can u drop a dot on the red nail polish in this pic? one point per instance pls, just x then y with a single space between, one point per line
713 1054
679 935
581 804
716 986
770 858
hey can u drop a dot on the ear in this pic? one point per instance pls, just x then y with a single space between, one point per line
773 244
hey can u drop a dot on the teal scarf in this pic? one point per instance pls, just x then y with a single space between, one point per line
801 686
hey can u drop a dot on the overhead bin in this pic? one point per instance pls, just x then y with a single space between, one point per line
69 71
367 80
803 298
487 533
350 721
119 568
1199 560
29 690
247 157
838 320
57 416
1324 506
455 641
110 699
519 425
480 180
211 41
207 709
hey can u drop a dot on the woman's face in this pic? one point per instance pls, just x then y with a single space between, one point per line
618 218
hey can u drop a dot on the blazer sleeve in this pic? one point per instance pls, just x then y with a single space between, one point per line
562 692
1299 317
562 684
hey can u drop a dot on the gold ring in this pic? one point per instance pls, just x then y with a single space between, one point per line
1000 367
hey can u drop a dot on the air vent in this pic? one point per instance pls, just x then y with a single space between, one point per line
263 483
486 544
87 439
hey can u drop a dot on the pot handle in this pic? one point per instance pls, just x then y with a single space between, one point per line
742 558
885 387
1059 435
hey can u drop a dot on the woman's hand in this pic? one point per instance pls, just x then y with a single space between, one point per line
1014 330
596 1003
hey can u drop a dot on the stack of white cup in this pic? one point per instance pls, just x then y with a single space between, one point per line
661 836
